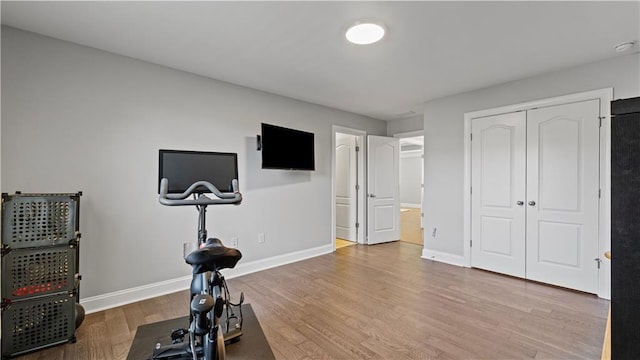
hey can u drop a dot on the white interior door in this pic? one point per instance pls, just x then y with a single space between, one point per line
498 173
562 195
383 188
346 193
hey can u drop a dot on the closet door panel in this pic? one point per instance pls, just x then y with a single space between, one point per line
558 165
562 195
498 176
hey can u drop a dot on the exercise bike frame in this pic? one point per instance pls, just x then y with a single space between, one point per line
209 295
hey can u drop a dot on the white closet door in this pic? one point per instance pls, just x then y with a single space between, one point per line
498 170
562 195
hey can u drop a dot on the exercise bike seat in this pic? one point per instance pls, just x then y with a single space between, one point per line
213 256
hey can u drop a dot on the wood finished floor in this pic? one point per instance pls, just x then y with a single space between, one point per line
410 230
340 243
380 302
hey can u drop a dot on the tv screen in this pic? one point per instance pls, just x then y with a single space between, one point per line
284 148
183 168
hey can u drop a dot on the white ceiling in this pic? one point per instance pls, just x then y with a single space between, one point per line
297 49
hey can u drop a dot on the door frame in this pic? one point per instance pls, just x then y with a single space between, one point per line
604 212
361 174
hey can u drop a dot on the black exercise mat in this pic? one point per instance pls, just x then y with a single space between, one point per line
252 343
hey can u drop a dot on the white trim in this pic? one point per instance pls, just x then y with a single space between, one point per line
362 181
408 205
466 191
443 257
604 281
559 100
409 134
604 243
279 260
127 296
122 297
410 154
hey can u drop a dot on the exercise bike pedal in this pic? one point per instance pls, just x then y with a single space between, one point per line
177 336
232 336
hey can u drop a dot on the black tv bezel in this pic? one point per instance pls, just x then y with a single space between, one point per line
261 139
198 190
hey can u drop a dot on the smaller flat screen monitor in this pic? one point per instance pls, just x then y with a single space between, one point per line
289 149
183 168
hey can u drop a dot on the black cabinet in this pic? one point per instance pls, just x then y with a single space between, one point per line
40 239
625 229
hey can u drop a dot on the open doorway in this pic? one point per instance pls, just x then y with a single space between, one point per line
348 203
411 188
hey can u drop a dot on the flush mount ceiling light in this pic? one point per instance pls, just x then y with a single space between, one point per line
624 46
365 33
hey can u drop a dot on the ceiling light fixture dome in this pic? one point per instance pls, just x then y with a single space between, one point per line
365 33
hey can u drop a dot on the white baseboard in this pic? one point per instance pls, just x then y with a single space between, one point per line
127 296
264 264
122 297
443 257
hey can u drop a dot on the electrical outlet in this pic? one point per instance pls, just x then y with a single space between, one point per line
261 238
433 234
234 242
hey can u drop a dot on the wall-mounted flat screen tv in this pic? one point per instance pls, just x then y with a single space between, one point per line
183 168
284 148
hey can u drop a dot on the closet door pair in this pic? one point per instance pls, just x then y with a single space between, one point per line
535 194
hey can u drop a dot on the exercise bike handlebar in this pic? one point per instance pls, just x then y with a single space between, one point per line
181 199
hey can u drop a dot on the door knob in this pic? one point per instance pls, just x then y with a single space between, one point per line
520 203
532 203
372 195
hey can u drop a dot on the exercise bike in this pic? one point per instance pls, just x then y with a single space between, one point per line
209 292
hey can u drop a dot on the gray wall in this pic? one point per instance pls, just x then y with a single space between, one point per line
75 118
444 130
415 123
